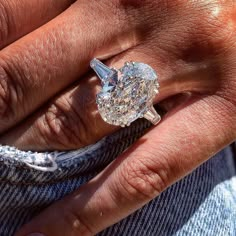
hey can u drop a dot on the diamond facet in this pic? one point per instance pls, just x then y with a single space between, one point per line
127 94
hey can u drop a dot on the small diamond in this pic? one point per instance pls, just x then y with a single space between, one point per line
126 94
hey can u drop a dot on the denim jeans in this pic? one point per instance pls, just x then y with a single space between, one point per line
203 203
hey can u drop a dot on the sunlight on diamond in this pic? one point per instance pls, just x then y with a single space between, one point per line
128 95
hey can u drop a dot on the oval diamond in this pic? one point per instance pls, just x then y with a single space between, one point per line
130 94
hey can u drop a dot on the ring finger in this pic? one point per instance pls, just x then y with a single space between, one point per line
72 121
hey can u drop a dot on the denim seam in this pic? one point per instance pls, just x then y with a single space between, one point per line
17 163
21 165
22 183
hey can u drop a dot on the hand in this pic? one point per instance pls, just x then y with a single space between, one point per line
191 45
50 59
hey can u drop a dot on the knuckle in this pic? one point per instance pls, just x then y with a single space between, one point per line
75 224
66 124
56 127
218 23
145 180
11 95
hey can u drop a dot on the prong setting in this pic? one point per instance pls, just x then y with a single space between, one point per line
127 94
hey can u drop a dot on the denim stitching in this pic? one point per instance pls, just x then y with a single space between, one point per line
123 137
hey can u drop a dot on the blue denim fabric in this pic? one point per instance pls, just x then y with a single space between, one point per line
203 203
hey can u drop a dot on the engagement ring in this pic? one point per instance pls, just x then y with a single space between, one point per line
127 93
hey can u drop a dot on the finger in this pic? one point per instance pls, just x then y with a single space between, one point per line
155 162
55 55
18 18
72 121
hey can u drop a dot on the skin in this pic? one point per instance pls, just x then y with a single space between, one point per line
47 94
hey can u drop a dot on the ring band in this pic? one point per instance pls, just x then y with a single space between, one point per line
127 94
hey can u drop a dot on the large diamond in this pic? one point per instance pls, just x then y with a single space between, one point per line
127 94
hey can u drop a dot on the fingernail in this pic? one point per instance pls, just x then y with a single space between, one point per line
35 234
